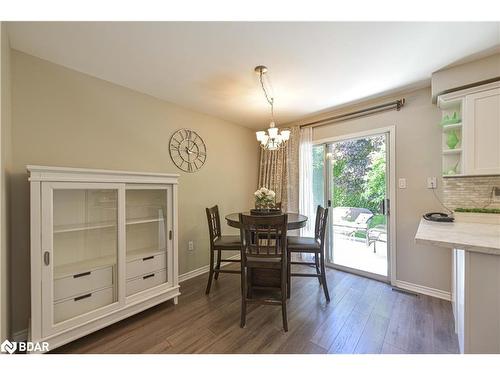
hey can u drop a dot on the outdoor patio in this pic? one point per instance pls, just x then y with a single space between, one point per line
353 252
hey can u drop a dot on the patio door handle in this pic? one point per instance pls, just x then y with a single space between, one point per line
329 203
385 206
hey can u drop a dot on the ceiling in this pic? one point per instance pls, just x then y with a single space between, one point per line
208 66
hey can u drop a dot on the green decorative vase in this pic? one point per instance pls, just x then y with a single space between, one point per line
453 171
449 120
452 140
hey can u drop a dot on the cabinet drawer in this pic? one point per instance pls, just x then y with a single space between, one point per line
83 282
70 308
145 282
146 265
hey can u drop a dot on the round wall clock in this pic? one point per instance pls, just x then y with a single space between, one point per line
187 150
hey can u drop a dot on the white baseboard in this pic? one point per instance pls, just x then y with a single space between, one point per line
21 335
200 271
441 294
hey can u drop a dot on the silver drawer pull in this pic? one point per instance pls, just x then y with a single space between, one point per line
148 258
148 276
81 275
82 297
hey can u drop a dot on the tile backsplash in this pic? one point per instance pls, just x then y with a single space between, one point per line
470 192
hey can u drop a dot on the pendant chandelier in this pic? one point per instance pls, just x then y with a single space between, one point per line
273 139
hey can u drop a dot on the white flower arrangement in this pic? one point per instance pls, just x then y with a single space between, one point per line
264 198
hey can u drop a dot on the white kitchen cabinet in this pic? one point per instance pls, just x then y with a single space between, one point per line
478 150
103 247
482 132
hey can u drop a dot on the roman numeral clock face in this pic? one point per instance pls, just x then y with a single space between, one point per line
187 150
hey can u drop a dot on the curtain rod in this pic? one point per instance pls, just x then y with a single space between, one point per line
397 105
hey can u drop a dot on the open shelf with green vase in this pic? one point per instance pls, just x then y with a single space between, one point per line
451 135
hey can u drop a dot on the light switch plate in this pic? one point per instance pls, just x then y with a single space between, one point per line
402 183
431 182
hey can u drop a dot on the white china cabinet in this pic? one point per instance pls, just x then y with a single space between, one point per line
103 247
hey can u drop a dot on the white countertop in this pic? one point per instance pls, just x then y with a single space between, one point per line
483 238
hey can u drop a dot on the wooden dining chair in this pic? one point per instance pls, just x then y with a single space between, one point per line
313 245
263 247
219 243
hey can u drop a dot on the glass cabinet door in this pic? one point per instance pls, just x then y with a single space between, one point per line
147 232
82 230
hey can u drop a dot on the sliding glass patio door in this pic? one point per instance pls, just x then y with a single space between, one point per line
351 176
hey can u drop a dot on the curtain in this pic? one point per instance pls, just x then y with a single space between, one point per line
305 181
278 171
293 170
273 173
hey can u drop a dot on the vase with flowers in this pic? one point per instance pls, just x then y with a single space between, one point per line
265 200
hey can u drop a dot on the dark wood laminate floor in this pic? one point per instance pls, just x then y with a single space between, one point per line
364 316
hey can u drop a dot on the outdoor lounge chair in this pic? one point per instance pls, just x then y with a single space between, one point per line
351 220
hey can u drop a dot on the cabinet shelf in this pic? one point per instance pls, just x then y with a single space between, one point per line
83 226
102 225
144 220
452 127
452 151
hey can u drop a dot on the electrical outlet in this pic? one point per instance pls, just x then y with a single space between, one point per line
190 246
402 183
431 183
496 194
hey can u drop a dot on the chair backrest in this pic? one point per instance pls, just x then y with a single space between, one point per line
263 236
320 227
213 223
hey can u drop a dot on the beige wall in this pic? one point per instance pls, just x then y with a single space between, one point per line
418 143
65 118
5 162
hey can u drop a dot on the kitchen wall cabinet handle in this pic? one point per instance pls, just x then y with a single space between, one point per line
82 297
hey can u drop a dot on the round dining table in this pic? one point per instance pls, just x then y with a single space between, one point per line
295 220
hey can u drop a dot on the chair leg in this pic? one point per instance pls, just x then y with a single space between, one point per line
284 291
249 290
316 261
289 274
219 254
210 273
323 277
243 298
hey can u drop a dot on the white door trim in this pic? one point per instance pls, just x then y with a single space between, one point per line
391 130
